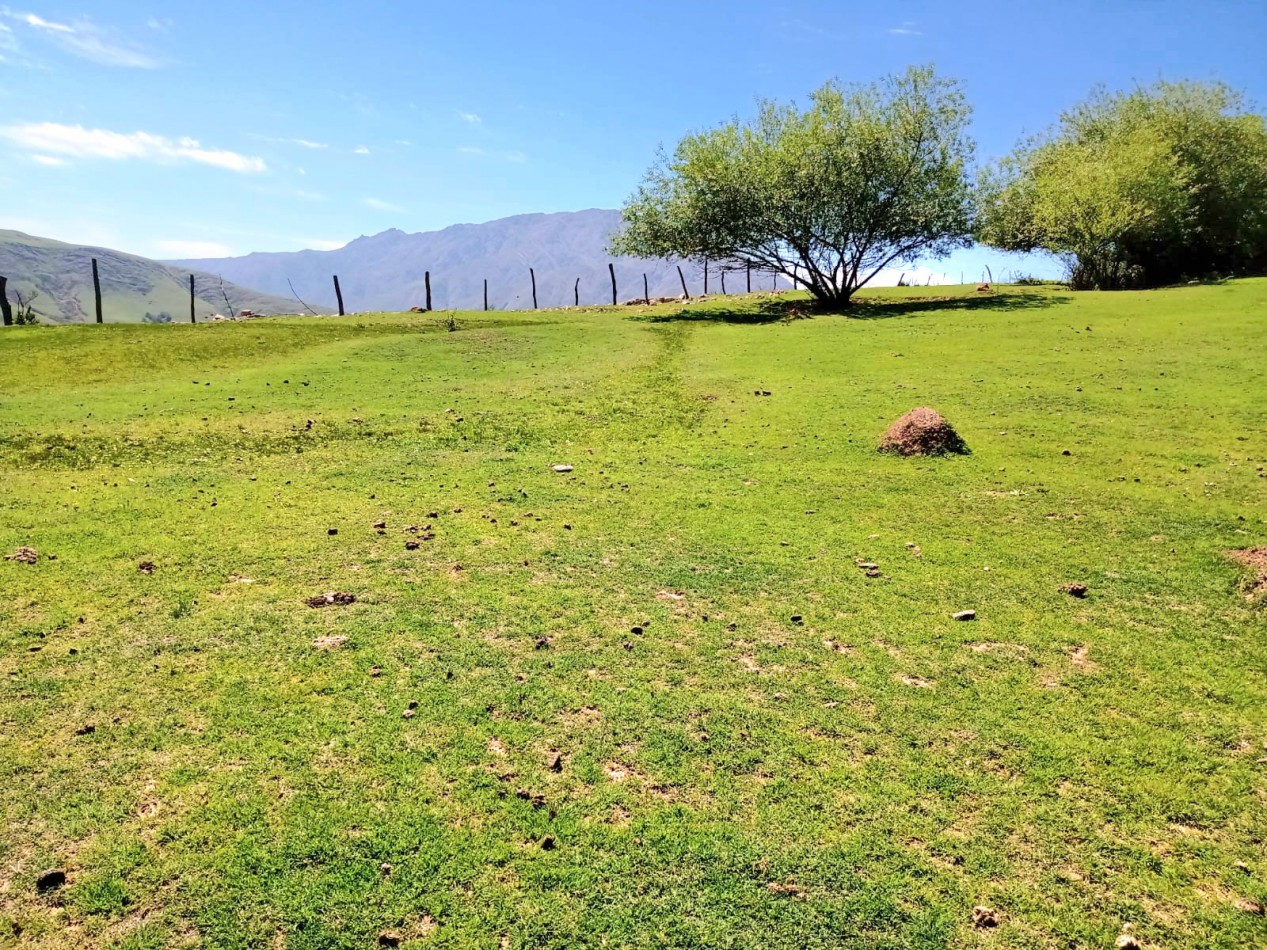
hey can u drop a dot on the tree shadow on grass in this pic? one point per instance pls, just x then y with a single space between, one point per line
767 311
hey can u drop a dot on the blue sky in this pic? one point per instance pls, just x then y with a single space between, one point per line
200 129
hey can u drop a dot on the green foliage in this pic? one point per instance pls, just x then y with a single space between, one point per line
866 177
1138 189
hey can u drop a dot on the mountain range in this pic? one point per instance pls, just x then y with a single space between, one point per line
387 271
133 289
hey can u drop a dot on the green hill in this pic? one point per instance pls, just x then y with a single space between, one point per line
133 289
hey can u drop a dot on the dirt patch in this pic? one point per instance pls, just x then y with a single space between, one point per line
915 682
923 431
1080 657
1256 560
331 599
329 643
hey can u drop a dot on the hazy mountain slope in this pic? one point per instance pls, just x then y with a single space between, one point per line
131 286
385 271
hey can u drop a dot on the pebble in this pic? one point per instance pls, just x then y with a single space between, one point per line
966 615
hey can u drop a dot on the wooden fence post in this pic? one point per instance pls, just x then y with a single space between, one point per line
338 293
96 289
682 277
706 277
611 269
427 277
749 278
192 316
576 293
646 290
485 293
533 274
5 310
723 283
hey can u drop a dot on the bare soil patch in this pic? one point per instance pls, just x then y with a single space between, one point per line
1256 560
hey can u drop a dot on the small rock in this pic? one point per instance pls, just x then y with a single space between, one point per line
332 531
1075 590
964 615
147 567
1066 452
869 567
636 631
384 869
380 525
542 643
23 556
50 880
797 619
389 938
1127 941
412 545
555 762
562 469
409 714
376 671
86 729
984 918
548 843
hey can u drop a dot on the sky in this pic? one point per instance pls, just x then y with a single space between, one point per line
194 129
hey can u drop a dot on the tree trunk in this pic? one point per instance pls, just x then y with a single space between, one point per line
611 268
193 317
338 292
427 278
533 274
682 277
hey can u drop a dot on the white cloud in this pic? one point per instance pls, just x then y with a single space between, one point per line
470 150
361 150
906 29
470 117
74 141
85 39
477 152
49 160
308 144
379 205
188 249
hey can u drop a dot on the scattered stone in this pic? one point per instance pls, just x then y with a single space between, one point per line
542 643
555 762
329 643
1127 940
384 869
548 843
965 615
984 918
86 729
331 599
412 545
376 671
50 880
147 567
562 469
332 531
24 556
797 619
390 938
636 631
380 525
922 431
409 714
1075 590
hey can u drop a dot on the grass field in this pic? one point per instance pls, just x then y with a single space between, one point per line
726 776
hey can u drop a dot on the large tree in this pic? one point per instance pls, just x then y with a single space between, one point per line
1138 189
867 177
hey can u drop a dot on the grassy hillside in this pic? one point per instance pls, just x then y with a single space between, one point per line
653 702
133 289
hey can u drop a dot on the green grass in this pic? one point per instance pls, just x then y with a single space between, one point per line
727 780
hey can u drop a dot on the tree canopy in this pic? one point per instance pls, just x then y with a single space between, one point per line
867 177
1138 189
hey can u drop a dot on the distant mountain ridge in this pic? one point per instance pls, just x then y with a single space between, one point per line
386 271
133 289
